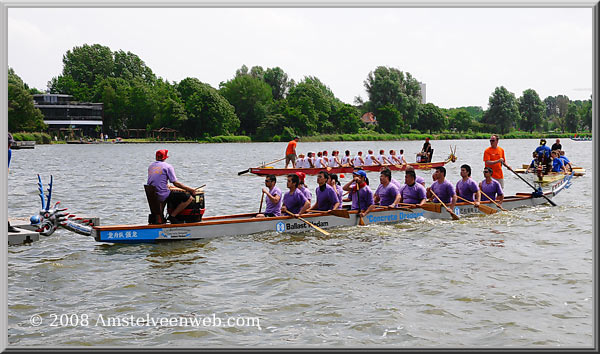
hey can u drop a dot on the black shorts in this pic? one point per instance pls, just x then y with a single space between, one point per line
270 215
176 198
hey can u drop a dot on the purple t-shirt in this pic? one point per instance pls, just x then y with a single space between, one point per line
420 180
306 192
466 189
413 194
340 195
396 183
491 189
365 198
444 191
294 202
327 198
387 195
272 207
160 174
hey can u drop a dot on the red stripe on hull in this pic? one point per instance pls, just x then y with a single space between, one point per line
315 171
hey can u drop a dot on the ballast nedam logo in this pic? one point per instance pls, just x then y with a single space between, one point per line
281 226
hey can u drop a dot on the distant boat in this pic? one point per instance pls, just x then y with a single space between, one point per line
588 138
22 145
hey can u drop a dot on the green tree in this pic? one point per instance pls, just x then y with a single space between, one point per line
114 94
251 98
346 119
83 66
461 120
572 119
431 118
390 86
585 114
208 113
551 109
273 125
129 66
389 119
503 111
170 111
532 111
22 114
279 82
310 105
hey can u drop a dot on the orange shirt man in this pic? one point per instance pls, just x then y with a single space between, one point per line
494 158
290 153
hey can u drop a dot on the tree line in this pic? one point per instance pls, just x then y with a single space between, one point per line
267 105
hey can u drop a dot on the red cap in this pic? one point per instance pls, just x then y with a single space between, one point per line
162 155
301 175
427 139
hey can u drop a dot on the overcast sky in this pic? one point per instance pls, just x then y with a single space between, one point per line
460 54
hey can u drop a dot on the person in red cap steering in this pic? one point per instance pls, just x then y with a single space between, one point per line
426 151
160 174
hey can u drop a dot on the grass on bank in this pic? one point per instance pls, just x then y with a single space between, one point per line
44 138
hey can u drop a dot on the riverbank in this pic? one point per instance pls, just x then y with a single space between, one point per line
44 138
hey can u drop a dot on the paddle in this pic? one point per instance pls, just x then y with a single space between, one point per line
484 208
397 208
261 201
493 201
310 224
428 206
529 184
454 216
361 222
342 213
248 170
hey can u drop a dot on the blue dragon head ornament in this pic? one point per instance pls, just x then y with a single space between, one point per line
50 218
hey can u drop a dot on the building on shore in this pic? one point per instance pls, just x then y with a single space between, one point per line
63 115
423 89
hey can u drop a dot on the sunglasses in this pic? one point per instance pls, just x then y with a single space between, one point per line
492 139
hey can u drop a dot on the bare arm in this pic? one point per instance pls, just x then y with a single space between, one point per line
184 187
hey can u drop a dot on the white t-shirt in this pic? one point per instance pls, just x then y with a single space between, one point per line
380 159
345 159
357 161
318 162
369 160
299 163
307 162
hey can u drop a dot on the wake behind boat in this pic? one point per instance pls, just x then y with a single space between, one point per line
245 224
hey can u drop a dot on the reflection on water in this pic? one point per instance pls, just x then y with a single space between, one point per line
518 278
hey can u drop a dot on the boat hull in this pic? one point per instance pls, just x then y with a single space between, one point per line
262 171
245 224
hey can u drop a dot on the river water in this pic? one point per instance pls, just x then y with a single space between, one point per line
514 279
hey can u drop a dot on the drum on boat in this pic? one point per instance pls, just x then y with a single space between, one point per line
193 212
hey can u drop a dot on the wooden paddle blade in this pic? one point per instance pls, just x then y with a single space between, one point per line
454 216
434 207
342 213
316 227
361 222
242 172
486 209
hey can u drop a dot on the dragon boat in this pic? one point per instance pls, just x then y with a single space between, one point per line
311 171
552 176
245 224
